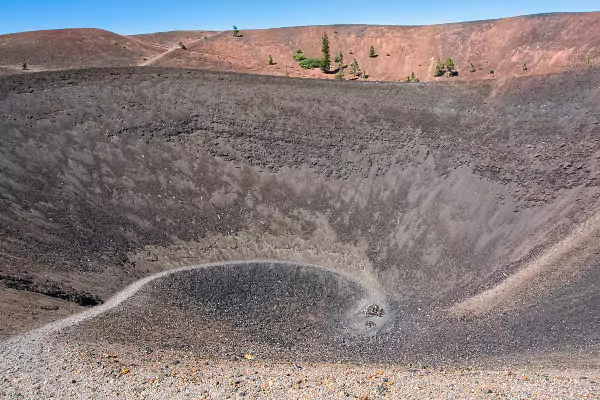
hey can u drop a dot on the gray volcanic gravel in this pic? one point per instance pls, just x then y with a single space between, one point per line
415 229
277 311
61 360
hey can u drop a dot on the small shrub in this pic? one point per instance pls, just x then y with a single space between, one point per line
299 56
339 57
182 46
340 73
350 52
364 74
450 71
310 63
525 67
440 69
354 68
372 53
236 31
492 72
271 60
588 62
412 78
472 68
445 68
387 54
24 65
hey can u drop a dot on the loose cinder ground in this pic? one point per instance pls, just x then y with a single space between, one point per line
416 198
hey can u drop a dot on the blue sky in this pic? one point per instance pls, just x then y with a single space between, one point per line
137 16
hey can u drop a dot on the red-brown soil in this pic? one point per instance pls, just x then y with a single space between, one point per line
71 48
172 38
546 43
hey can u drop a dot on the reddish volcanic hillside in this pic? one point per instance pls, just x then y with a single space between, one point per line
71 48
546 43
171 38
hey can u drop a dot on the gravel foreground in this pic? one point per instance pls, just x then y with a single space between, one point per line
76 371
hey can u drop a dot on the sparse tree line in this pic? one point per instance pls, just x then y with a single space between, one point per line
442 68
446 68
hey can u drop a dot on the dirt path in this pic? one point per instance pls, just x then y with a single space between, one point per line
24 346
119 298
154 59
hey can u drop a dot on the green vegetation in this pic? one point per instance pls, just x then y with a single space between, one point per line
440 69
310 63
299 56
236 31
354 68
271 60
339 57
364 73
445 68
340 73
372 53
588 62
412 78
492 72
450 69
182 46
326 61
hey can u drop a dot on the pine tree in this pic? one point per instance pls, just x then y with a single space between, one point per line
340 73
354 68
440 69
339 57
372 53
450 67
326 64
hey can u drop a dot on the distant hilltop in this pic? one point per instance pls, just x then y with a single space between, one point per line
509 47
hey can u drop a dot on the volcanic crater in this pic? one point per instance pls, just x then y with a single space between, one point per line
462 215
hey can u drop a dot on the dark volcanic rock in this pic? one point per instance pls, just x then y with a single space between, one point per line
420 195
